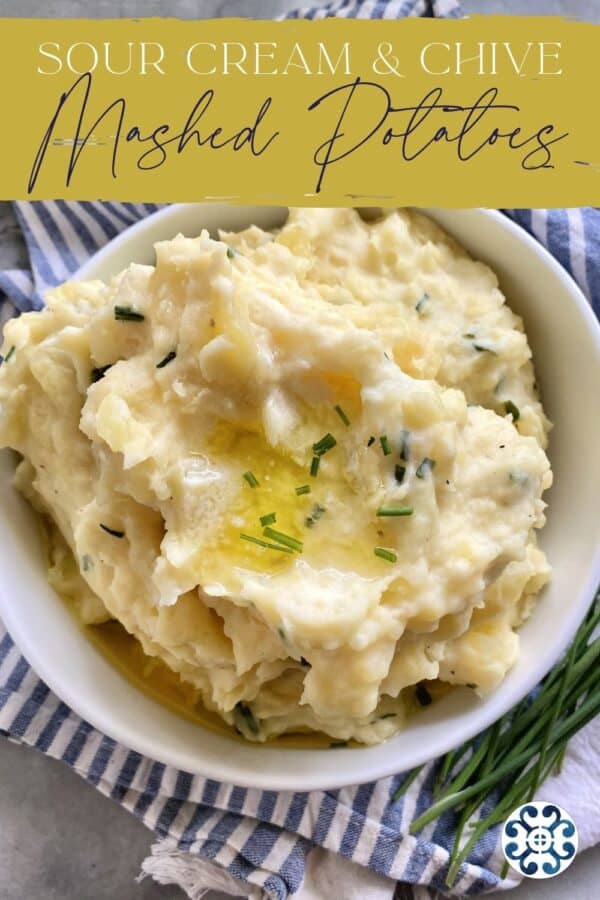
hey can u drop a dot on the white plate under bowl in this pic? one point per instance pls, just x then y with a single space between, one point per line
566 343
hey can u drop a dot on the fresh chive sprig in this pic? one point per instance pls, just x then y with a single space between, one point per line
520 750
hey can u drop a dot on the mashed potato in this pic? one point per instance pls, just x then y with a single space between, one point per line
303 468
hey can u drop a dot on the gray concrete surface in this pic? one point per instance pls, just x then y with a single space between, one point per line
59 838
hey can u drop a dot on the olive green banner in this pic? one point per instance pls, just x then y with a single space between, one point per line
486 111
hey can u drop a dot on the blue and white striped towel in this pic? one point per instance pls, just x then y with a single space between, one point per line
266 840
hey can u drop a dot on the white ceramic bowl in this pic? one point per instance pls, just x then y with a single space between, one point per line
566 342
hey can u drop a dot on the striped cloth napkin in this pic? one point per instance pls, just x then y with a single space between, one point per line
353 842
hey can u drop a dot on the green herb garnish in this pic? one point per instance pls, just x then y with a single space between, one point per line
388 555
315 515
518 477
303 489
265 544
326 443
422 694
285 539
230 252
395 511
385 445
251 479
427 465
168 358
342 415
269 519
10 354
512 410
86 562
399 473
420 306
314 466
115 532
520 750
127 314
404 444
99 372
244 718
469 335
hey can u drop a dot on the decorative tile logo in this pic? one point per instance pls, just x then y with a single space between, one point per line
539 839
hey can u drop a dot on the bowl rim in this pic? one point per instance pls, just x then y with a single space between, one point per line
488 711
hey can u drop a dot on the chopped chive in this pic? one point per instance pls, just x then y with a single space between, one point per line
326 443
482 348
337 745
519 477
245 717
427 465
469 336
512 410
127 314
385 445
420 306
164 362
284 539
371 441
230 252
113 531
269 519
86 562
254 540
342 415
399 473
395 511
388 555
314 466
303 489
315 515
422 694
265 544
9 354
99 372
251 479
404 444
